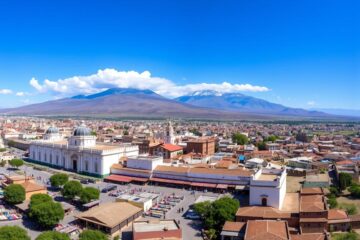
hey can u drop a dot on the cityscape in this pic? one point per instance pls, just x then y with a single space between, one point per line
179 120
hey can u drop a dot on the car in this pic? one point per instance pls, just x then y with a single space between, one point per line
108 188
84 181
92 180
191 214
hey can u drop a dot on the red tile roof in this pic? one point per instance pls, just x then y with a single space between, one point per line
171 147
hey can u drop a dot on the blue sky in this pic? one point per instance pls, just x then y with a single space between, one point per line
297 53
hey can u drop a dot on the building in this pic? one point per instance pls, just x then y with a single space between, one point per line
203 146
169 137
80 153
102 217
167 150
313 211
268 188
28 183
142 200
256 163
156 229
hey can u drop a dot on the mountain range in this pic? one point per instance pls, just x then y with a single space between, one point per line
130 102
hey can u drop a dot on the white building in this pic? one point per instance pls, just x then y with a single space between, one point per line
268 188
144 162
80 153
169 137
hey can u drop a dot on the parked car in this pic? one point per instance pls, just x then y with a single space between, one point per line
191 214
109 188
84 181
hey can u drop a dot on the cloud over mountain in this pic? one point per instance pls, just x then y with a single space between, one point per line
111 78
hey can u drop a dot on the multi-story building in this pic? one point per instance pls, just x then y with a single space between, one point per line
204 146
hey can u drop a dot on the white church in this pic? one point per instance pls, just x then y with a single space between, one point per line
79 153
268 188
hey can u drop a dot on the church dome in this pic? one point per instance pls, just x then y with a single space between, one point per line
52 130
82 131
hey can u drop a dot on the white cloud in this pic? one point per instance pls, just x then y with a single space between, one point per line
109 78
311 103
5 91
22 94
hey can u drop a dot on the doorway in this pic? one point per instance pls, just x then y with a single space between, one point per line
264 202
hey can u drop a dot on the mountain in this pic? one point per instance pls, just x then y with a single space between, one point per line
340 112
236 102
129 102
120 102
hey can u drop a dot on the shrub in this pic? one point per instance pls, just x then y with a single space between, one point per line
47 214
16 162
92 235
13 233
14 194
52 235
59 179
88 194
72 189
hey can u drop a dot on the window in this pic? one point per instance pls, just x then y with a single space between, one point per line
39 156
51 158
86 166
57 160
45 157
96 167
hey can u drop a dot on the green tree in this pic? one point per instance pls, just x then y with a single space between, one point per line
354 190
211 234
72 189
240 139
271 138
215 214
13 233
345 180
334 191
261 146
16 162
88 194
39 198
52 235
2 149
92 235
59 179
46 214
14 194
332 201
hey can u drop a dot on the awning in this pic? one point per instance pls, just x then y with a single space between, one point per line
139 179
172 181
200 184
118 178
125 179
222 186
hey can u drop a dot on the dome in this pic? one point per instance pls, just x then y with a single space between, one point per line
52 130
82 131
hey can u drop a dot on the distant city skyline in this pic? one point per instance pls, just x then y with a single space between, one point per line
300 54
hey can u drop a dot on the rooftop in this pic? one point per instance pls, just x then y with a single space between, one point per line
266 229
155 225
104 213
